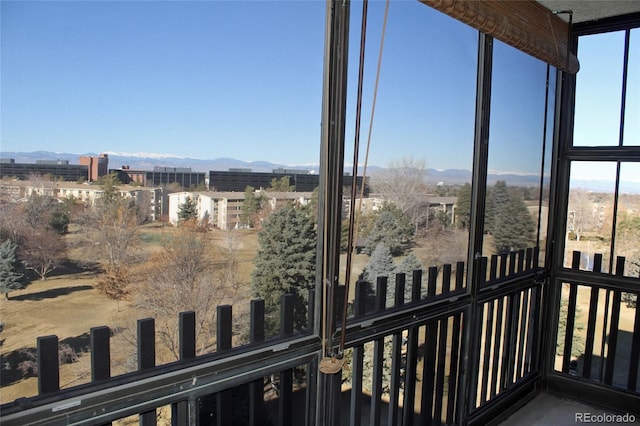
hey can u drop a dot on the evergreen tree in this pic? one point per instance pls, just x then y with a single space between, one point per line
380 265
391 227
463 206
251 207
514 227
409 264
109 184
10 275
187 210
496 199
285 263
59 220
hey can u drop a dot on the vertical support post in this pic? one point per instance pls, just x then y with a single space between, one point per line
453 370
476 231
334 98
591 321
99 346
355 412
100 353
285 401
446 278
396 358
147 359
256 388
613 329
48 366
412 357
187 336
378 357
224 400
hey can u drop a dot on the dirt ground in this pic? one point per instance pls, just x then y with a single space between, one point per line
67 305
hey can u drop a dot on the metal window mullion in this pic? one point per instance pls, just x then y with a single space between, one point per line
478 194
623 97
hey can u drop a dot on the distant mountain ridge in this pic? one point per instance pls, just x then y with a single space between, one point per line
147 161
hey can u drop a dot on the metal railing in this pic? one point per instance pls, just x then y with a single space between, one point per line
409 361
598 344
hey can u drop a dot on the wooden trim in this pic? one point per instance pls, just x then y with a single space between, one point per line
524 24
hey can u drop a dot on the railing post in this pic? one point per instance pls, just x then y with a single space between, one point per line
412 357
256 388
187 336
100 355
591 321
224 399
285 400
571 316
355 411
378 357
446 278
613 329
48 365
396 358
147 359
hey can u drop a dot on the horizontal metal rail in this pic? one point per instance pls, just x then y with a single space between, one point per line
139 392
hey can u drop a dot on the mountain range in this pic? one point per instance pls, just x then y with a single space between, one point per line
147 161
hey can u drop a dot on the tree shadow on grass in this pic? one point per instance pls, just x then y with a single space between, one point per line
10 371
50 294
72 267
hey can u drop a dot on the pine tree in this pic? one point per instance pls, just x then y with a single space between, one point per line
514 227
391 227
380 265
10 276
409 264
188 209
251 207
496 199
463 206
285 263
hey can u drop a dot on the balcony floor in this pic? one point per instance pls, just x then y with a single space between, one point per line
547 409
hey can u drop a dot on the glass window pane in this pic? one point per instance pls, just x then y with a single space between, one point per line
589 216
546 172
632 104
421 152
515 151
598 90
628 220
187 87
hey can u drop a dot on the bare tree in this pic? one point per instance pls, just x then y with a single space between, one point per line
189 275
402 183
110 227
42 251
582 217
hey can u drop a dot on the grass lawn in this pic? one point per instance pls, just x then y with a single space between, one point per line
68 305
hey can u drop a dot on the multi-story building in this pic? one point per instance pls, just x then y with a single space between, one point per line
223 210
57 169
301 180
185 177
97 166
19 191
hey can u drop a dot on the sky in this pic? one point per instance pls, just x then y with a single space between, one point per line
243 79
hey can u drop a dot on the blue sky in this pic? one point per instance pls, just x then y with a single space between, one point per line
226 79
243 79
